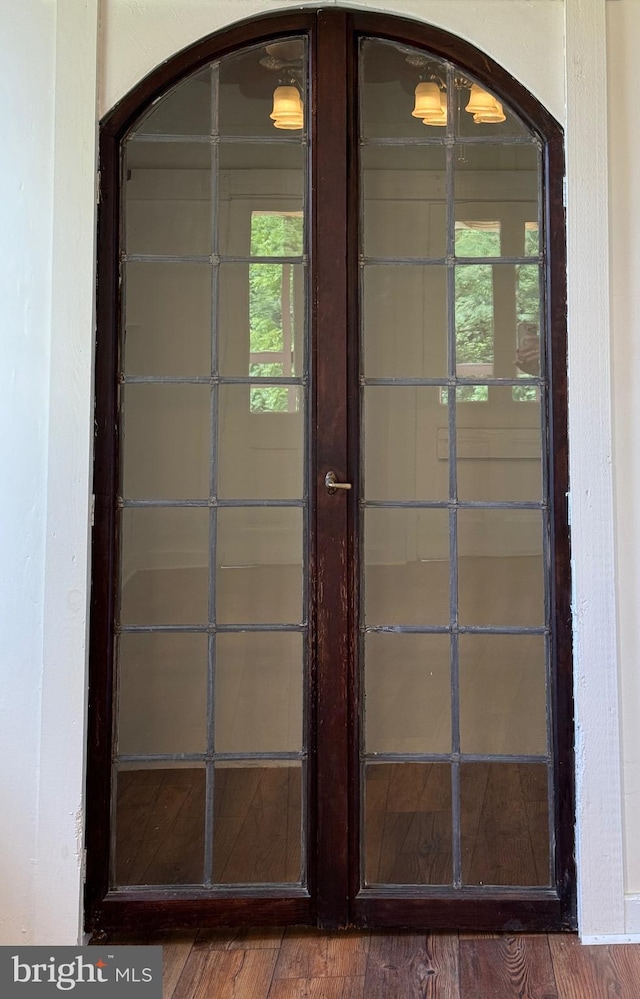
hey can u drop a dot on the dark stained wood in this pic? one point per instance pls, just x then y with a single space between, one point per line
596 972
311 954
507 968
234 974
437 966
248 938
412 966
317 988
562 728
333 641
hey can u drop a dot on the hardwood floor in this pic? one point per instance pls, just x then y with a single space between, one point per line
303 963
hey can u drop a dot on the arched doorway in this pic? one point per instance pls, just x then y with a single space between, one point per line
330 617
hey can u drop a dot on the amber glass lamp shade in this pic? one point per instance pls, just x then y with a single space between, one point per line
288 111
428 105
483 106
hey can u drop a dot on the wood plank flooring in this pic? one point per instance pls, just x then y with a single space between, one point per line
303 963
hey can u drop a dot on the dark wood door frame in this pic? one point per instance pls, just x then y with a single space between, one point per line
335 898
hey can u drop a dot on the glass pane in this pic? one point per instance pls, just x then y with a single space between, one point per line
499 449
500 567
405 322
258 692
401 427
407 824
475 321
261 317
390 75
404 201
496 194
475 238
504 823
260 456
168 319
259 574
261 200
478 113
160 825
248 83
168 197
406 566
503 694
258 823
186 110
407 680
167 441
162 695
165 555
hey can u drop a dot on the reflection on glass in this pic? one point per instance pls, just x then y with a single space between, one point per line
185 111
259 573
401 426
248 82
502 694
264 226
257 835
160 825
504 823
477 239
407 824
406 566
407 681
416 345
474 314
500 567
480 113
404 201
499 448
168 319
162 694
167 194
258 459
258 692
261 326
167 441
390 75
165 554
497 182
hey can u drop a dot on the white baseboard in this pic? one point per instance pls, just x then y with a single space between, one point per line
631 923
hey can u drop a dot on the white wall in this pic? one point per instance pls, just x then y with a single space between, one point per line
26 169
45 488
47 170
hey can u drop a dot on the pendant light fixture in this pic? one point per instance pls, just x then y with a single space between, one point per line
288 111
431 95
286 58
431 104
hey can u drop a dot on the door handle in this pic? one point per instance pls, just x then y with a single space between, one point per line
331 484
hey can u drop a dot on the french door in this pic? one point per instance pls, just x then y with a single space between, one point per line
330 676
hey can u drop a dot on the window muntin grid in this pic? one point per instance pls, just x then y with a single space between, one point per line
161 138
454 139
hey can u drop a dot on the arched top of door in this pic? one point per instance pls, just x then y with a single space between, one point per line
400 30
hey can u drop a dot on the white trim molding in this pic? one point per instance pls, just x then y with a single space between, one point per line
599 827
58 873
